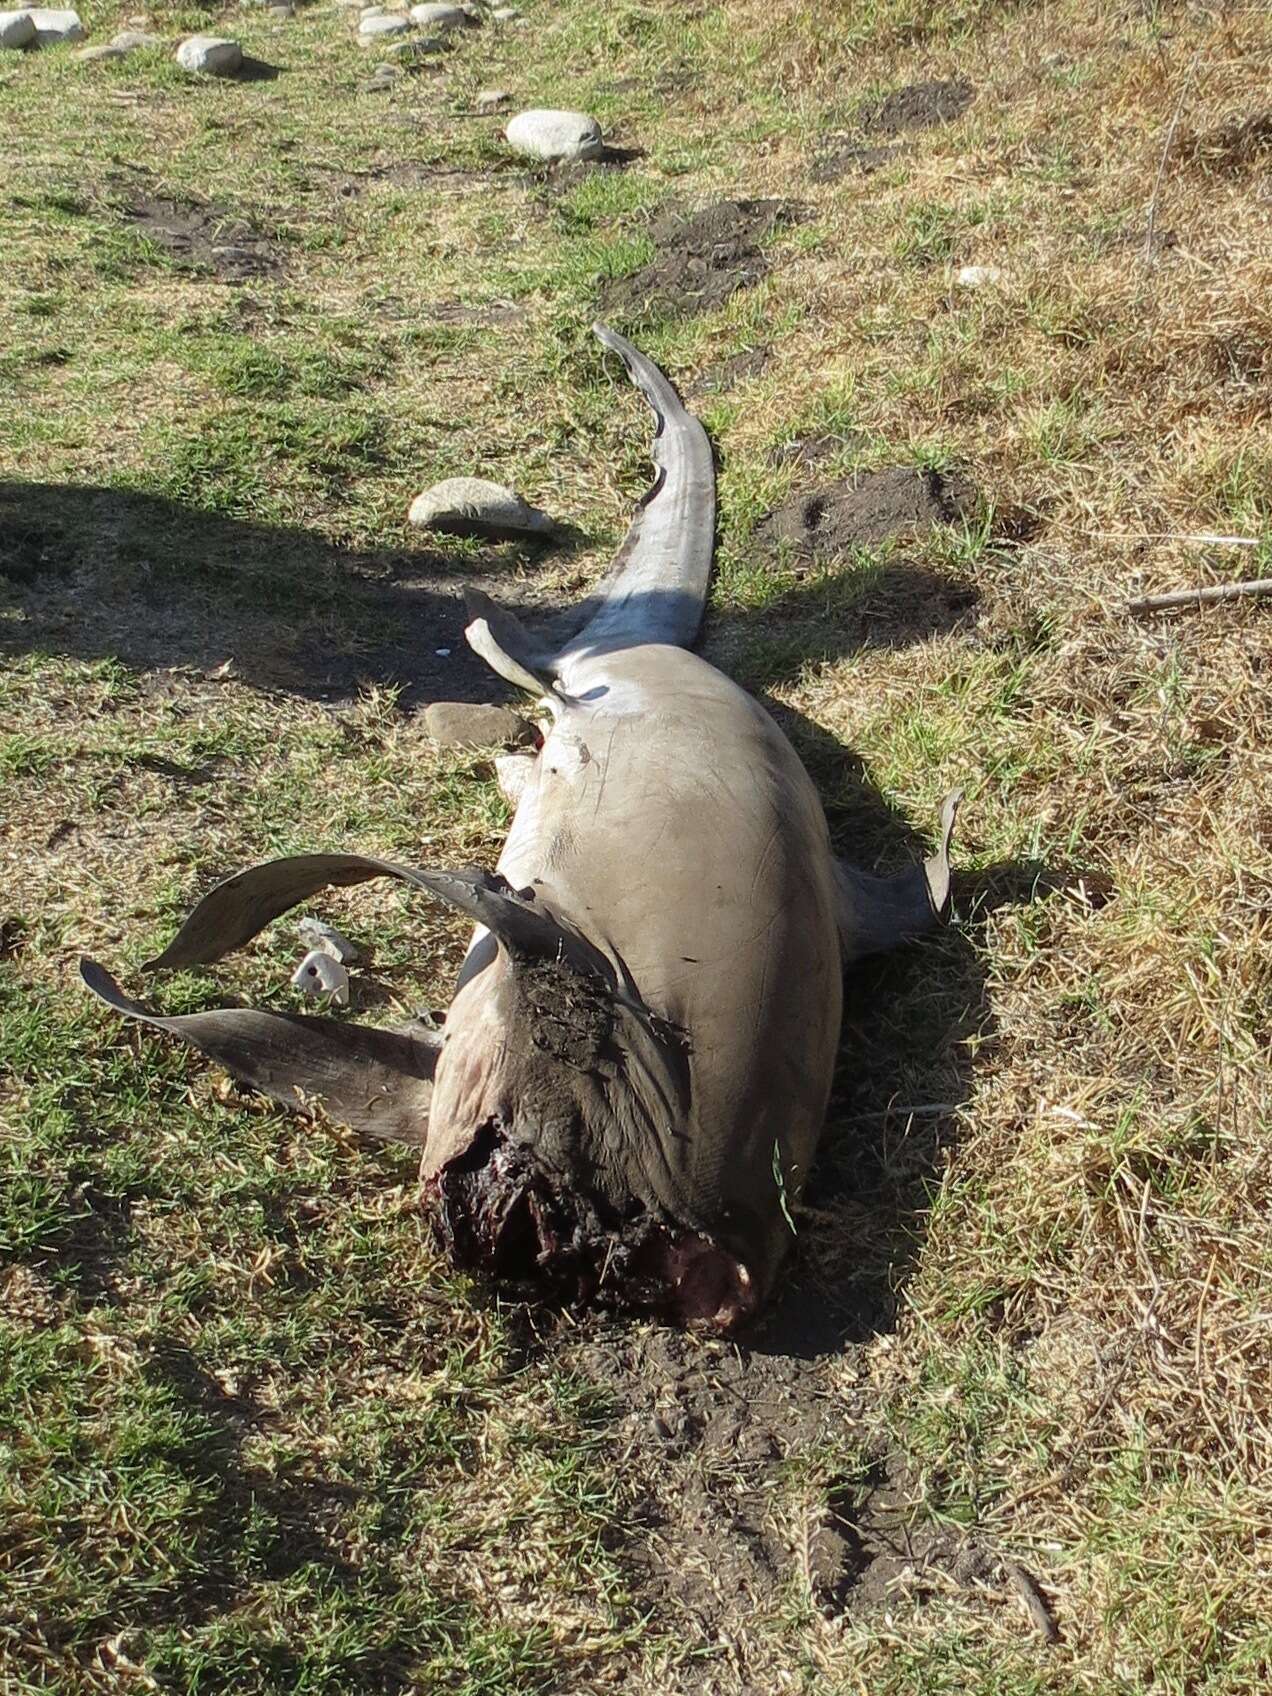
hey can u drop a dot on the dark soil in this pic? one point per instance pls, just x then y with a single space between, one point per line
811 451
864 511
919 106
567 174
842 159
705 1430
1232 147
25 551
202 237
719 379
396 310
707 1426
405 173
702 259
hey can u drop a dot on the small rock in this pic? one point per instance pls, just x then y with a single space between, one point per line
88 55
319 975
210 55
441 18
53 25
978 276
555 135
17 29
418 48
132 39
505 15
285 10
384 23
321 938
460 724
491 99
470 506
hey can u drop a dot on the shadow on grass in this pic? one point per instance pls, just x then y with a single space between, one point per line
93 573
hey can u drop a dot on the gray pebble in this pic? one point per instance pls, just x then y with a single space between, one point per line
461 724
317 934
471 506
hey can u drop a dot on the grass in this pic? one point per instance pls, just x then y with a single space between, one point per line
254 1434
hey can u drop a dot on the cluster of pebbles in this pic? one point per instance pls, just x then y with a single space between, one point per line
545 136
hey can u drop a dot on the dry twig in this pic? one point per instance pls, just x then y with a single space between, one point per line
1166 147
1027 1588
1212 593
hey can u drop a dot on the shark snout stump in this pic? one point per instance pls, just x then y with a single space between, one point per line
633 1074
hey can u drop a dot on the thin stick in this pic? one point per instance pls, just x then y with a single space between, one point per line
1202 597
1207 538
1026 1587
1161 168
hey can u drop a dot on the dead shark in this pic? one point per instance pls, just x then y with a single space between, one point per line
633 1075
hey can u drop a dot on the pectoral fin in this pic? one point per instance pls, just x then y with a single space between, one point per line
233 912
879 913
377 1082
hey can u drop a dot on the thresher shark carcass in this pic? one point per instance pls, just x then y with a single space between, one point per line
633 1074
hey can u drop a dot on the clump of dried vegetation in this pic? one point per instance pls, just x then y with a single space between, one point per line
253 1435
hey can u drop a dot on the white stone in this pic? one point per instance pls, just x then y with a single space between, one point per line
385 23
212 55
439 17
319 975
17 29
53 25
470 506
505 15
321 938
89 55
555 135
978 276
491 99
131 39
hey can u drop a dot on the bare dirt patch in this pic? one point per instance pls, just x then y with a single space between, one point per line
404 173
702 259
26 551
919 106
728 373
1233 147
852 158
814 450
865 511
704 1427
202 237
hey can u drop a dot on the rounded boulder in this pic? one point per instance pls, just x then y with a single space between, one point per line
551 135
210 56
470 506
